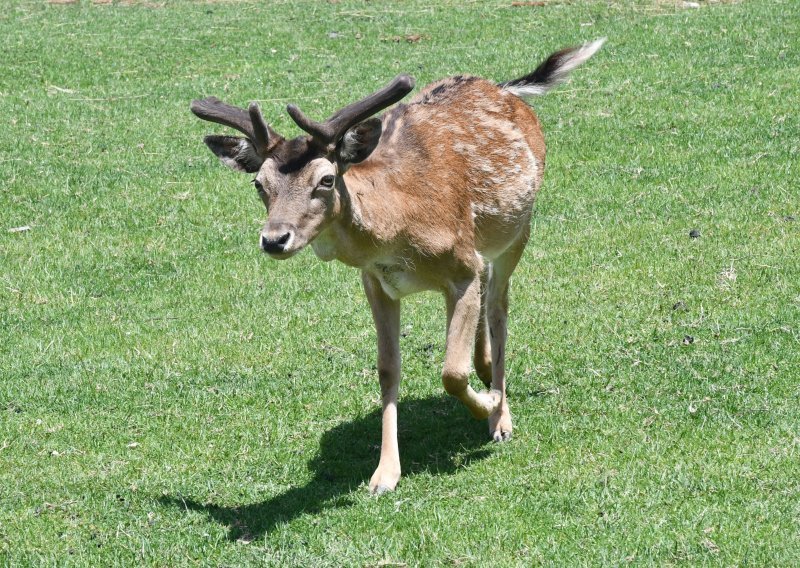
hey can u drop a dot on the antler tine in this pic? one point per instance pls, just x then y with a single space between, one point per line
214 110
332 129
320 131
249 122
260 128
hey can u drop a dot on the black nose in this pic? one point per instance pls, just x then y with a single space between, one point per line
275 243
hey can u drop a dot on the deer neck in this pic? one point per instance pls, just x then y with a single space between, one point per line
351 237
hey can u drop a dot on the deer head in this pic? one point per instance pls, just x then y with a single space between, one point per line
299 180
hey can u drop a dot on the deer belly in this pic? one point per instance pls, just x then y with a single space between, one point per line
397 280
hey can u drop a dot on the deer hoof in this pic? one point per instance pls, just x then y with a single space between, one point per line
500 424
381 489
383 481
501 436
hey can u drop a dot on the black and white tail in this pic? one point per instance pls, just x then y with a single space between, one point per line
553 71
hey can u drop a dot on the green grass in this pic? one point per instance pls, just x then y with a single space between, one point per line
171 397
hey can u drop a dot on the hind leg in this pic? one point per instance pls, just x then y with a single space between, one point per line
463 312
497 317
482 358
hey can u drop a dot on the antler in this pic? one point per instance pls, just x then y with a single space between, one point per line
331 130
249 122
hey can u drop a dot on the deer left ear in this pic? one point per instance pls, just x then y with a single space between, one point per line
359 141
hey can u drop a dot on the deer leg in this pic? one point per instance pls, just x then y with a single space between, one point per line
497 318
482 359
463 313
386 314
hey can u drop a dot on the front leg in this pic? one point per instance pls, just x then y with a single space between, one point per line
463 313
386 314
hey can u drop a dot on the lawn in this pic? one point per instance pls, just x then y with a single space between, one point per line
169 396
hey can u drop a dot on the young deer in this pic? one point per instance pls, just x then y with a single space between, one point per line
435 194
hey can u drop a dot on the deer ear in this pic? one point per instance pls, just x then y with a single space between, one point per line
235 152
359 141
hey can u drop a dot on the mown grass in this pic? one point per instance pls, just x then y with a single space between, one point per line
171 397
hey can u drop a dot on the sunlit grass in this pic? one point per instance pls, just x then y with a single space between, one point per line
168 396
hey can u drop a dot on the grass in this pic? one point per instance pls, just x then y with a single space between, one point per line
170 397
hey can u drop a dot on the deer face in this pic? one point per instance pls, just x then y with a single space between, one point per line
299 180
301 197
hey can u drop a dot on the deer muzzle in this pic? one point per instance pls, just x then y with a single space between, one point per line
277 239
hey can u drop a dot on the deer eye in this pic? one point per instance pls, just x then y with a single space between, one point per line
327 181
259 187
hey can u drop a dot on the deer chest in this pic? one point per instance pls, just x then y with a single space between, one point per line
397 278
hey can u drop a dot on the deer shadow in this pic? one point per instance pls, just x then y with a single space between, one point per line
436 436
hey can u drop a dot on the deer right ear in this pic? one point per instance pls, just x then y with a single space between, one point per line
359 141
235 152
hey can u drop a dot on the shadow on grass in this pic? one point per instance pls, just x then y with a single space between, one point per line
436 436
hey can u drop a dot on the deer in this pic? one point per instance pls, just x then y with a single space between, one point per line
435 194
